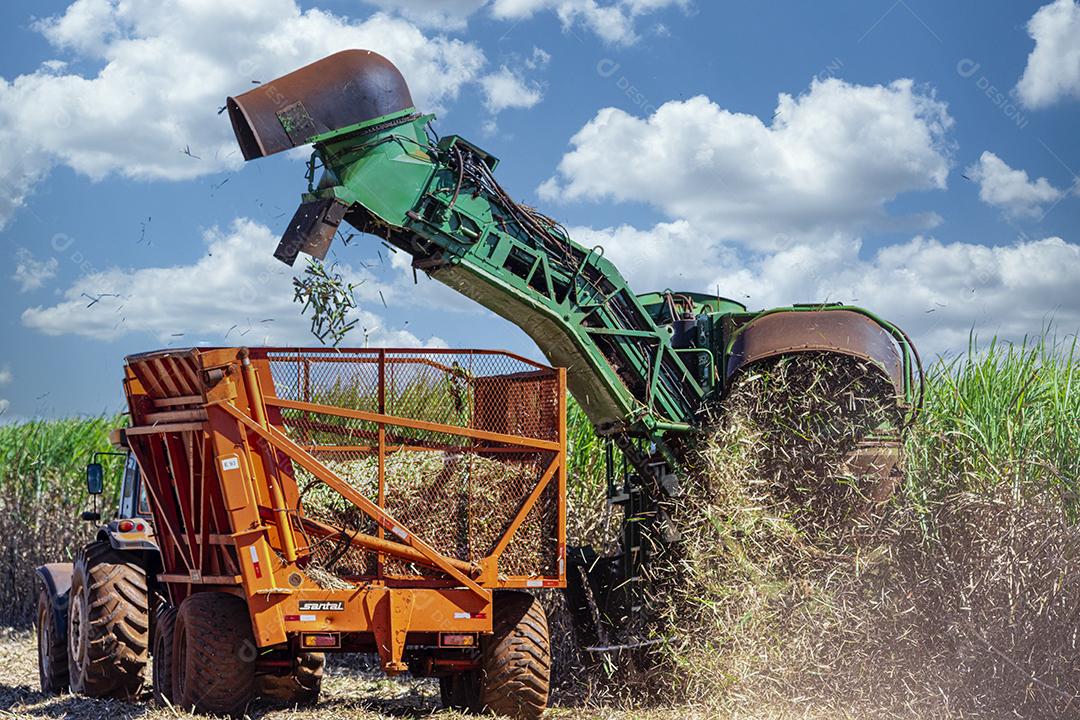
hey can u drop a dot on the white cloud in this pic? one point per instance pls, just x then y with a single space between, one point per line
87 27
22 167
771 214
1008 291
164 68
435 14
31 274
1053 67
937 291
506 89
419 290
539 59
237 292
1011 189
666 255
5 379
613 22
831 160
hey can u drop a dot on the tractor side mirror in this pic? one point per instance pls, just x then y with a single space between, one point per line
91 516
95 479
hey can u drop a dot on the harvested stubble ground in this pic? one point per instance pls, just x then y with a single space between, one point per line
351 691
794 590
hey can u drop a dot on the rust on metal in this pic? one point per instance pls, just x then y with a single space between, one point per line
311 230
839 331
876 464
344 89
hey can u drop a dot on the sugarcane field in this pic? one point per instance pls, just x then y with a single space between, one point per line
725 365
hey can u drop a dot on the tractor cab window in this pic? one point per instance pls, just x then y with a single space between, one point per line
132 495
144 502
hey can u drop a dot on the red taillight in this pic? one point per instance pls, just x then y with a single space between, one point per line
125 526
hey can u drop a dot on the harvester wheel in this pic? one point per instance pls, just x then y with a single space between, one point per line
213 660
52 646
163 649
515 668
301 687
108 623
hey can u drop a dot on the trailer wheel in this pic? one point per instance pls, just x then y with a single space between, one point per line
301 687
108 623
52 646
213 655
515 671
162 677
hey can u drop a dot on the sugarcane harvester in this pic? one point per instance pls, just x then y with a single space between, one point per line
646 368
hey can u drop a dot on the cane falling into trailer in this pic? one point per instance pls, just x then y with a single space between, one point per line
401 502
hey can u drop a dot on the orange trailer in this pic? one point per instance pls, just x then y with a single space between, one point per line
306 501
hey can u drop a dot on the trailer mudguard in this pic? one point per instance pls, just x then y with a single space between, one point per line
55 578
133 541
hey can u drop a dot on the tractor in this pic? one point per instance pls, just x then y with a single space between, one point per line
97 618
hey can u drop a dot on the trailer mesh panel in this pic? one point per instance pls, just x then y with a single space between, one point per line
459 492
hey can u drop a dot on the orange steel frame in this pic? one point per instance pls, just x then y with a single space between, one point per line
205 429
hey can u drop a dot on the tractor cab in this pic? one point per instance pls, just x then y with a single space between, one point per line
133 500
130 527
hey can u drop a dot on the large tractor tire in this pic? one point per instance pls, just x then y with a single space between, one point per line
108 623
301 686
52 646
213 655
515 664
162 679
516 658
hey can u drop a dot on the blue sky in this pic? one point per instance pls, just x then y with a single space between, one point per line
918 158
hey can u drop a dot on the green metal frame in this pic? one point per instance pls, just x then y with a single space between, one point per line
404 183
398 183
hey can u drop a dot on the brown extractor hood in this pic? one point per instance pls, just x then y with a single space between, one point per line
343 89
